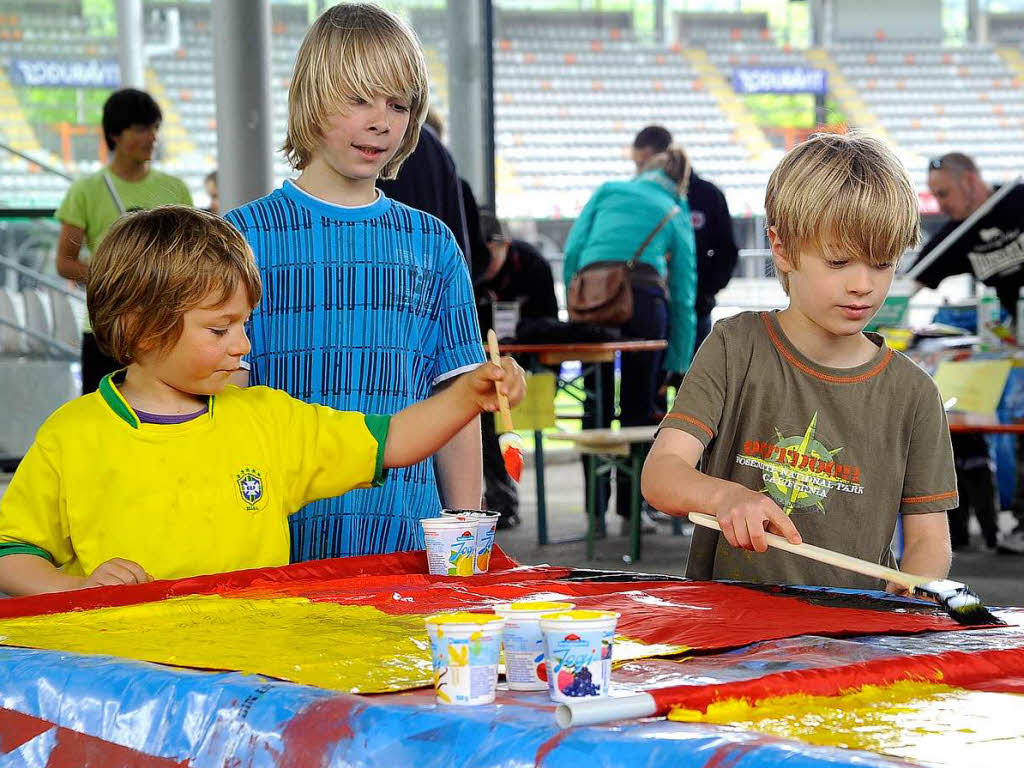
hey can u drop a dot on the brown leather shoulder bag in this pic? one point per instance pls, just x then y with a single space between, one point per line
601 293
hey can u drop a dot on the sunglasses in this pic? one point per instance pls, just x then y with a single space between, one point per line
936 164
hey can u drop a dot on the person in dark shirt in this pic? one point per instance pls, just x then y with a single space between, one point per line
516 272
479 253
712 228
993 249
993 252
428 181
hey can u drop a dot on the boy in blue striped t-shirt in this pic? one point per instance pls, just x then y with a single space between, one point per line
367 303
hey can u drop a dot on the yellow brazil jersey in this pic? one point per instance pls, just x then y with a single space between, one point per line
207 496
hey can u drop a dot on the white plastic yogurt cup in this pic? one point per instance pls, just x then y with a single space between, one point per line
450 544
464 649
486 523
578 653
524 643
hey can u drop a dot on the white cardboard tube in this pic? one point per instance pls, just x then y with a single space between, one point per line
605 709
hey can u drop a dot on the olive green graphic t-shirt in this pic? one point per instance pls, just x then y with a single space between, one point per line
842 451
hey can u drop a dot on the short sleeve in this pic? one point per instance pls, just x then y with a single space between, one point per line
460 347
929 483
701 398
33 514
324 452
72 209
952 262
184 196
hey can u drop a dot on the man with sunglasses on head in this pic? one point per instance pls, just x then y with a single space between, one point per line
993 252
993 249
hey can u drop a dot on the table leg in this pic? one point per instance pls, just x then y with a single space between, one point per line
636 459
602 503
542 506
591 505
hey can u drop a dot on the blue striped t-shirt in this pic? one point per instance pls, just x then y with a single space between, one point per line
364 309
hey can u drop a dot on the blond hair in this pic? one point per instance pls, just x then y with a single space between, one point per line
354 50
842 191
674 163
154 266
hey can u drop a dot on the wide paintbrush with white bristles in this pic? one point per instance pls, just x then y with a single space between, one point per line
955 598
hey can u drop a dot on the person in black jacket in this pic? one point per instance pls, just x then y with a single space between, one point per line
429 182
992 250
712 227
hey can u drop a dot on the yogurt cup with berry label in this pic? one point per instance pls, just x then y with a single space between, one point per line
578 653
523 641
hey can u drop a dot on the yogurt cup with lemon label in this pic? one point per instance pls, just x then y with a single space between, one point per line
450 544
486 524
464 649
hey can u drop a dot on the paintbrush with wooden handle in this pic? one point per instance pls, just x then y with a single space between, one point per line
955 598
508 442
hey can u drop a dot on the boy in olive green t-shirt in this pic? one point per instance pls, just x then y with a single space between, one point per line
807 421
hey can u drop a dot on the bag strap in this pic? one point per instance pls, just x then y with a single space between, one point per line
647 241
113 194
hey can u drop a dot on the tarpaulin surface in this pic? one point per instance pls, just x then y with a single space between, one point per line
175 717
98 704
352 628
927 722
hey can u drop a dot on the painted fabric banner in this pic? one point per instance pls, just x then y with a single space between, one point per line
757 665
339 627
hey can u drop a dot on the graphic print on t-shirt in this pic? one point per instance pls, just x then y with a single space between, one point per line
999 252
800 471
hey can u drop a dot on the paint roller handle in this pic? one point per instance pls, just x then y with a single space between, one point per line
506 415
827 556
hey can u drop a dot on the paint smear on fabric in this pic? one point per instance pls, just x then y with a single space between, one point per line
352 648
932 724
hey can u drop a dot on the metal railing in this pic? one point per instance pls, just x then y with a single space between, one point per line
54 285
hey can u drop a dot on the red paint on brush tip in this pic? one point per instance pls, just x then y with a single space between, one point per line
513 458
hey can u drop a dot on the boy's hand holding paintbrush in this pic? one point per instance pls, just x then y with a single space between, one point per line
424 427
509 443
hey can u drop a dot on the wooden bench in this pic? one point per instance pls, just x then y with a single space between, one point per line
606 448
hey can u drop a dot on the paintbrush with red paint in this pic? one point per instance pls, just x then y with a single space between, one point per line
509 443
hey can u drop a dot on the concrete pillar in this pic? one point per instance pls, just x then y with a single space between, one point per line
976 23
821 23
471 94
241 69
660 29
130 54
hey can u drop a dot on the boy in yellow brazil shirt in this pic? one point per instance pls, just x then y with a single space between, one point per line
169 471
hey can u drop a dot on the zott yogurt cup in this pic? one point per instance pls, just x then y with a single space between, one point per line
578 653
524 643
464 650
450 544
486 523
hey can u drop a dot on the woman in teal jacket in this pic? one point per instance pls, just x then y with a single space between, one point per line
612 226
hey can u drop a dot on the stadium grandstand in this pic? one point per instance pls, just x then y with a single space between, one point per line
570 90
738 82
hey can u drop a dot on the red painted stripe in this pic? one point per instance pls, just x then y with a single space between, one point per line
396 564
955 668
73 749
